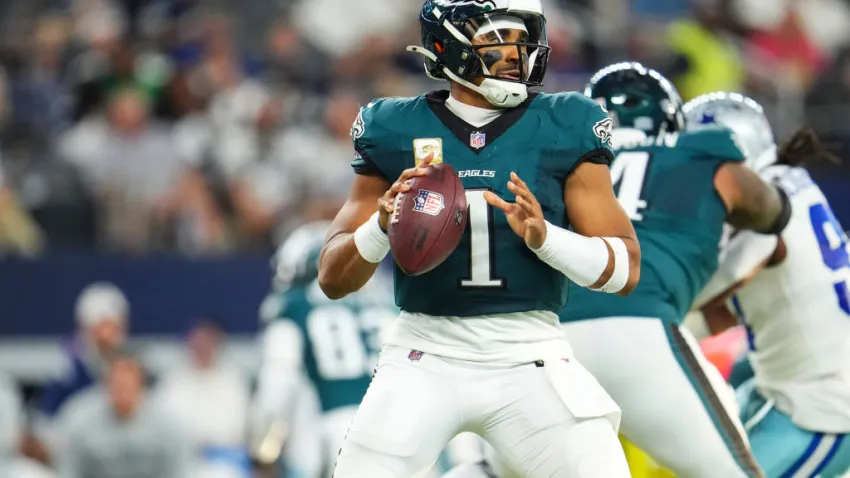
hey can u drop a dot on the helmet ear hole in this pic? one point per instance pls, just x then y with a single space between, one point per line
632 102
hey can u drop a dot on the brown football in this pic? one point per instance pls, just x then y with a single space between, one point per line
428 221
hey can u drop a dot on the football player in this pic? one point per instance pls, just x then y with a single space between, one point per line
678 188
791 292
333 345
478 346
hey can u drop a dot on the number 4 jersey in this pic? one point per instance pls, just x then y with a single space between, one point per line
543 140
799 315
666 185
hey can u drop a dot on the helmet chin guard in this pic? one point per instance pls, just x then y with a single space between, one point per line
499 93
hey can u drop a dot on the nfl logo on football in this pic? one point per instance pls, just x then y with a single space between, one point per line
428 202
477 140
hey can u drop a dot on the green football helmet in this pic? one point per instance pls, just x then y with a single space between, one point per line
297 259
637 97
454 33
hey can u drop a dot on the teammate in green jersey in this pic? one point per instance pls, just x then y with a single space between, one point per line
678 188
478 346
318 355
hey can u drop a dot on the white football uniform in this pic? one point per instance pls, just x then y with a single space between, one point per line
797 313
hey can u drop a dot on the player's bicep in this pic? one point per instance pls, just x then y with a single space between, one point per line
592 207
593 211
361 203
751 203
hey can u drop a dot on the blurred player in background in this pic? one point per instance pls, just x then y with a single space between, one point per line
678 188
791 292
334 345
478 346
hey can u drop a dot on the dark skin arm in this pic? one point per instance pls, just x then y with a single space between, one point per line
593 210
751 203
342 270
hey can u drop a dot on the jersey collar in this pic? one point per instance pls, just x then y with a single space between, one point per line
464 131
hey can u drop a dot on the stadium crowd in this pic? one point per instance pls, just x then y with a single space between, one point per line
206 126
217 127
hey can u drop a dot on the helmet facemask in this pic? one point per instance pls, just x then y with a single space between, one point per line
507 50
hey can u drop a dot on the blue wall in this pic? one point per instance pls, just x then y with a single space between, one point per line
37 297
166 292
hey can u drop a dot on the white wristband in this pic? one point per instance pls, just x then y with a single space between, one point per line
582 259
372 243
620 276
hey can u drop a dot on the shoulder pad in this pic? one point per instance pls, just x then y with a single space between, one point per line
583 125
380 117
570 108
717 143
376 126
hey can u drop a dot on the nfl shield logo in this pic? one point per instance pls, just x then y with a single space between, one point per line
429 202
477 140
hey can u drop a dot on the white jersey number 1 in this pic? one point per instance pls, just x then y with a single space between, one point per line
481 242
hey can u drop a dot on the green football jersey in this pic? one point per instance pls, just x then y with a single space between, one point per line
341 338
666 185
543 140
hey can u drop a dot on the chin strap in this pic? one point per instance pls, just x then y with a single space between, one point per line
503 94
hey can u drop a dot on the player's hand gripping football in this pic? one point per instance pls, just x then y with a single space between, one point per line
525 216
387 202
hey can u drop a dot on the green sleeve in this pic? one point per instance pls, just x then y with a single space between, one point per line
584 131
595 144
375 141
714 143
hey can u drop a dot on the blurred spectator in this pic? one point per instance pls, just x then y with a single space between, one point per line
102 314
18 232
11 424
784 58
132 166
298 174
341 33
115 431
209 397
705 56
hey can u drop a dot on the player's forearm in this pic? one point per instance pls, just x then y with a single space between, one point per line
349 260
607 264
718 318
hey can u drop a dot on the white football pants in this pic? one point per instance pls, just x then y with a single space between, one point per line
676 405
546 419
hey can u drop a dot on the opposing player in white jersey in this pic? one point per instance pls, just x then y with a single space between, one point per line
318 357
791 292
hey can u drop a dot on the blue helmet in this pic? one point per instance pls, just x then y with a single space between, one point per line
455 31
637 97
